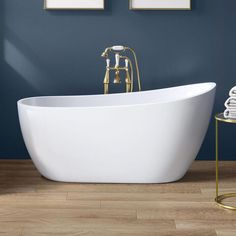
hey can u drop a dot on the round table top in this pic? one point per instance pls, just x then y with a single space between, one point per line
220 117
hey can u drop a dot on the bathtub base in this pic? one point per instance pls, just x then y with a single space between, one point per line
114 182
104 176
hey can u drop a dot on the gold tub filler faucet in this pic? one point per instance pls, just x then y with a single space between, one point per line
120 53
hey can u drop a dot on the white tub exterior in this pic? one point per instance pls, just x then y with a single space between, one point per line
143 137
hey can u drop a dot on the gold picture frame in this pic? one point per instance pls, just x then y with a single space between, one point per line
47 7
155 8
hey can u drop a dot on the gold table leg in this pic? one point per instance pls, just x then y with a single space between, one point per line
217 161
220 198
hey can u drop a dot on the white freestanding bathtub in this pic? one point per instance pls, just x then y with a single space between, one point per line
142 137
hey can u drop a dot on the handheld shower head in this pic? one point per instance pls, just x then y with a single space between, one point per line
118 48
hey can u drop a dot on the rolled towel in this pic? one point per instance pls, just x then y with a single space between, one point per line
230 113
230 103
232 92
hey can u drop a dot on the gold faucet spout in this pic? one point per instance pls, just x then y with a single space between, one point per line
105 53
117 77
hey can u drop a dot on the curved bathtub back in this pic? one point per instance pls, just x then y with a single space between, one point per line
152 96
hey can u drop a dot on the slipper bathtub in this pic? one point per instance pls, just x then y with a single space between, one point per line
142 137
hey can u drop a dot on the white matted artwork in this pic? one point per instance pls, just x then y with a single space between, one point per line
74 4
160 4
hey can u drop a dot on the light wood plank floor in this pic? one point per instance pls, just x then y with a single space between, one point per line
31 205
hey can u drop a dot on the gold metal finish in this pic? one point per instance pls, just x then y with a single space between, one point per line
137 69
105 53
217 159
220 117
106 81
129 76
160 9
85 9
117 77
128 82
219 198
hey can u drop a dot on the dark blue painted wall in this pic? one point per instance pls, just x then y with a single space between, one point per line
55 53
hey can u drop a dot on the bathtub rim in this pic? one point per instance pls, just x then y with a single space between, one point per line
21 102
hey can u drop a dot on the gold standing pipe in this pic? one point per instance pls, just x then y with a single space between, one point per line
128 81
106 81
106 88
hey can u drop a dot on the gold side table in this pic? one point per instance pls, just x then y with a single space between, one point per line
220 198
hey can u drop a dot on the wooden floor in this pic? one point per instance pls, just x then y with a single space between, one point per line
31 205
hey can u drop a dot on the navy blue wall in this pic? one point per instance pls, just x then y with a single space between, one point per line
55 53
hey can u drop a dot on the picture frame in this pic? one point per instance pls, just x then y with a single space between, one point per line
160 4
74 4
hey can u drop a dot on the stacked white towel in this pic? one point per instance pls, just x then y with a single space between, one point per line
230 104
232 92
